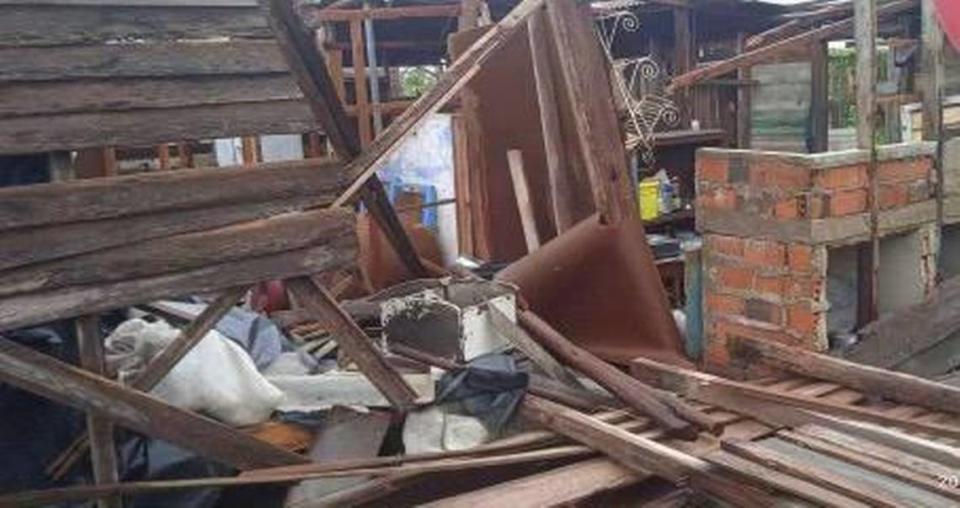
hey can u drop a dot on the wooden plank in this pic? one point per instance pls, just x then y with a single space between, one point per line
561 486
354 342
587 83
541 58
41 134
783 482
159 367
166 59
771 51
34 308
640 455
868 448
55 25
449 84
634 393
25 246
744 101
106 198
47 377
716 390
900 335
892 385
857 458
180 253
59 97
99 428
521 191
136 3
873 491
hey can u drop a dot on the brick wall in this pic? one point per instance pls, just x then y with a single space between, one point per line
765 263
778 187
763 289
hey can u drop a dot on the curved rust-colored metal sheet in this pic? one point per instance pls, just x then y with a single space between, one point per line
599 286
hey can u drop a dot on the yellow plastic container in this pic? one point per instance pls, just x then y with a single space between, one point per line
648 193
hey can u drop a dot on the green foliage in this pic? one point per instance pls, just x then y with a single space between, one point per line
842 76
414 81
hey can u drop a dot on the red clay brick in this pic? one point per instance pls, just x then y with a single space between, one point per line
779 174
718 199
726 245
711 169
761 310
734 277
800 257
724 304
787 209
800 317
904 170
764 252
848 202
769 285
844 177
893 196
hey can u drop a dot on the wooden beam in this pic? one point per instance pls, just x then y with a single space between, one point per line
40 374
558 169
587 83
775 49
99 428
354 342
931 80
312 75
879 382
744 101
450 83
636 394
719 391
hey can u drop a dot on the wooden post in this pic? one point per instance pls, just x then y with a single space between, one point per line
557 167
163 156
931 82
103 454
865 31
819 98
250 152
683 58
744 101
362 99
521 190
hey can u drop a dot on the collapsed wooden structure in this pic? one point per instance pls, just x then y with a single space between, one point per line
89 246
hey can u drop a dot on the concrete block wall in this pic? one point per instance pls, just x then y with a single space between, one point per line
768 221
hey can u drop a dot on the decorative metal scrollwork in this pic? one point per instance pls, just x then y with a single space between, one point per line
636 80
